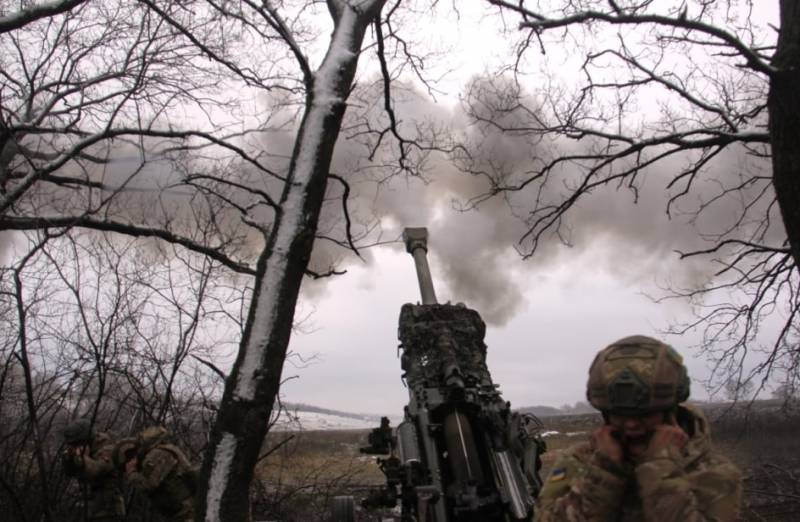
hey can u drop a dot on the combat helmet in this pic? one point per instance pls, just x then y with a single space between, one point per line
79 432
150 437
637 375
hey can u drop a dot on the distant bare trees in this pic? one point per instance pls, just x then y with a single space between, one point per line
692 95
94 335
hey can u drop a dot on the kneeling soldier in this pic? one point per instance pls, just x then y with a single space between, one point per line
161 471
88 458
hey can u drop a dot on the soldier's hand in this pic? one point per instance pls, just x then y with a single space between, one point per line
666 436
604 441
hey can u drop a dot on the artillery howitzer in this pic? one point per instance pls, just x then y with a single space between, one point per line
460 453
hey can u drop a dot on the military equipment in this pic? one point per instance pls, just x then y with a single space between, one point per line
79 432
379 439
460 453
637 375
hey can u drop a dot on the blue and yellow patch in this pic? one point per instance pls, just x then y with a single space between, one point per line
558 474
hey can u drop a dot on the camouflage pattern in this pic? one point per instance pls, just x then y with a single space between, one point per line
692 485
443 343
100 480
165 475
637 375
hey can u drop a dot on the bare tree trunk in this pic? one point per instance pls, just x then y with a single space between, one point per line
784 122
252 386
30 395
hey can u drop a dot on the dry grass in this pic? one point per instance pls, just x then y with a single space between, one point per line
298 480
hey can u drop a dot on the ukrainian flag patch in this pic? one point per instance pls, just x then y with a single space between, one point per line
558 474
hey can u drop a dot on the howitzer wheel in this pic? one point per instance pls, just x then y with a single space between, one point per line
344 509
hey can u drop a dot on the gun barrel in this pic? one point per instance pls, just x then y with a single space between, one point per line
416 240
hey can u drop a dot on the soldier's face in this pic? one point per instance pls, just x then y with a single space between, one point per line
635 431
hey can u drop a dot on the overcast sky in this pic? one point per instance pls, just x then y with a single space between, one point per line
547 316
541 356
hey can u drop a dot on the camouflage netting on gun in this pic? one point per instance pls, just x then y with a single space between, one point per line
443 344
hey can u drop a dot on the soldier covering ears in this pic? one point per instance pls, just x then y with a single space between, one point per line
652 459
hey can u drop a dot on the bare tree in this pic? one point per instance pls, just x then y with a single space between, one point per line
692 92
133 118
104 334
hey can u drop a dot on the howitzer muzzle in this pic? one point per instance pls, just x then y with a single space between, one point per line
416 240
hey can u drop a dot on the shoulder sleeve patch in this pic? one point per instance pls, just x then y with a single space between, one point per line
558 474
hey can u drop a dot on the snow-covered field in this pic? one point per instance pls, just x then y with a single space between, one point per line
307 420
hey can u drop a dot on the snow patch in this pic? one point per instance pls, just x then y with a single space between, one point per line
218 480
339 53
312 421
292 217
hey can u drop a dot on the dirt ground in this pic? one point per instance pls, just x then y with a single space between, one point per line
300 478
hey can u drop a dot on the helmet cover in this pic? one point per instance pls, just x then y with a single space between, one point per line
637 375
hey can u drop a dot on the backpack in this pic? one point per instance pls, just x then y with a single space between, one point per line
189 474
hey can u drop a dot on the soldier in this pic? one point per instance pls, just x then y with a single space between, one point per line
161 471
652 459
380 439
88 457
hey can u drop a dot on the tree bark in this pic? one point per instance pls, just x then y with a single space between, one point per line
252 386
784 122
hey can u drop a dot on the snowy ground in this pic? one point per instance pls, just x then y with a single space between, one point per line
306 420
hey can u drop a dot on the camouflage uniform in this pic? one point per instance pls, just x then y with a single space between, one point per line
694 485
100 481
165 475
634 376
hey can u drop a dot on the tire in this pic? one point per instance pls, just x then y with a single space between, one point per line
343 509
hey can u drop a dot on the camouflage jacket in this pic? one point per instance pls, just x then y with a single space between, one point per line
100 481
692 485
164 474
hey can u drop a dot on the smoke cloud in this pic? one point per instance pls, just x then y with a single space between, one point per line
476 252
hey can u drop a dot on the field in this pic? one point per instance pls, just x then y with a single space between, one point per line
299 479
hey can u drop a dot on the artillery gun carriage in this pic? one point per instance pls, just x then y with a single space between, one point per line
460 454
